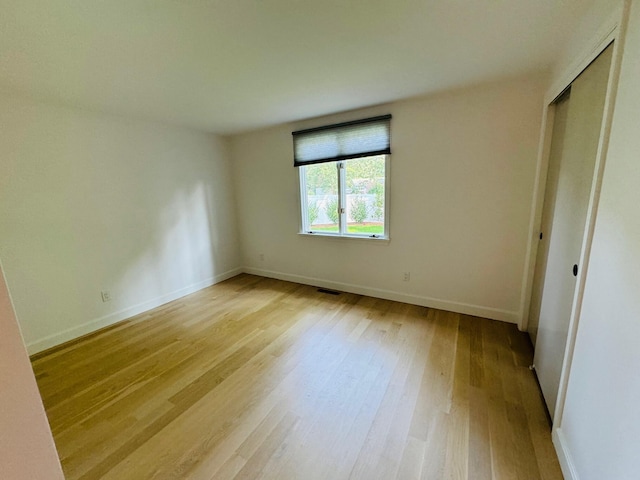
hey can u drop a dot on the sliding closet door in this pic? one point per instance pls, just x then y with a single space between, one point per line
579 147
561 107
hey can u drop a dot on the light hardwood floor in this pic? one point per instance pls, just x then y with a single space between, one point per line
259 378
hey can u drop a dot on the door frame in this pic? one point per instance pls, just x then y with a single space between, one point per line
612 30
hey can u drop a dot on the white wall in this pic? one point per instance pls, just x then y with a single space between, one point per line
27 451
92 202
462 174
600 427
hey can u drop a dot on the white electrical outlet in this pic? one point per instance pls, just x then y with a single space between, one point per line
262 257
106 295
407 276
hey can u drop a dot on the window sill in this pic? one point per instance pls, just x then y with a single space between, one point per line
378 241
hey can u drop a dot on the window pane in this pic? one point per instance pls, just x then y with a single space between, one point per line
322 197
365 181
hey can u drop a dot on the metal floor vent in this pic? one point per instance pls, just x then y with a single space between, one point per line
330 292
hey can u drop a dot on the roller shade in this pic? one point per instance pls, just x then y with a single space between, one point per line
359 138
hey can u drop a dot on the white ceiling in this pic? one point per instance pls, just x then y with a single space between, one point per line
233 65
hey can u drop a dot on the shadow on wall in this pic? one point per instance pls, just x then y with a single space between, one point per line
182 245
92 203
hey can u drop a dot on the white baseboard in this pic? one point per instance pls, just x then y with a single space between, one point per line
564 455
115 317
467 309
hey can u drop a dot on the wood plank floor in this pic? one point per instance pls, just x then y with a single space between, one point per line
259 378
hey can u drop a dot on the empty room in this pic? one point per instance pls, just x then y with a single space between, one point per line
319 240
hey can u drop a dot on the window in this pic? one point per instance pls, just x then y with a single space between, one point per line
344 178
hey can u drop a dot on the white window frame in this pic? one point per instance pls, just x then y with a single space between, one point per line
305 228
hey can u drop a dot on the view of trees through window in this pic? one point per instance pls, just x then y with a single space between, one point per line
363 196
